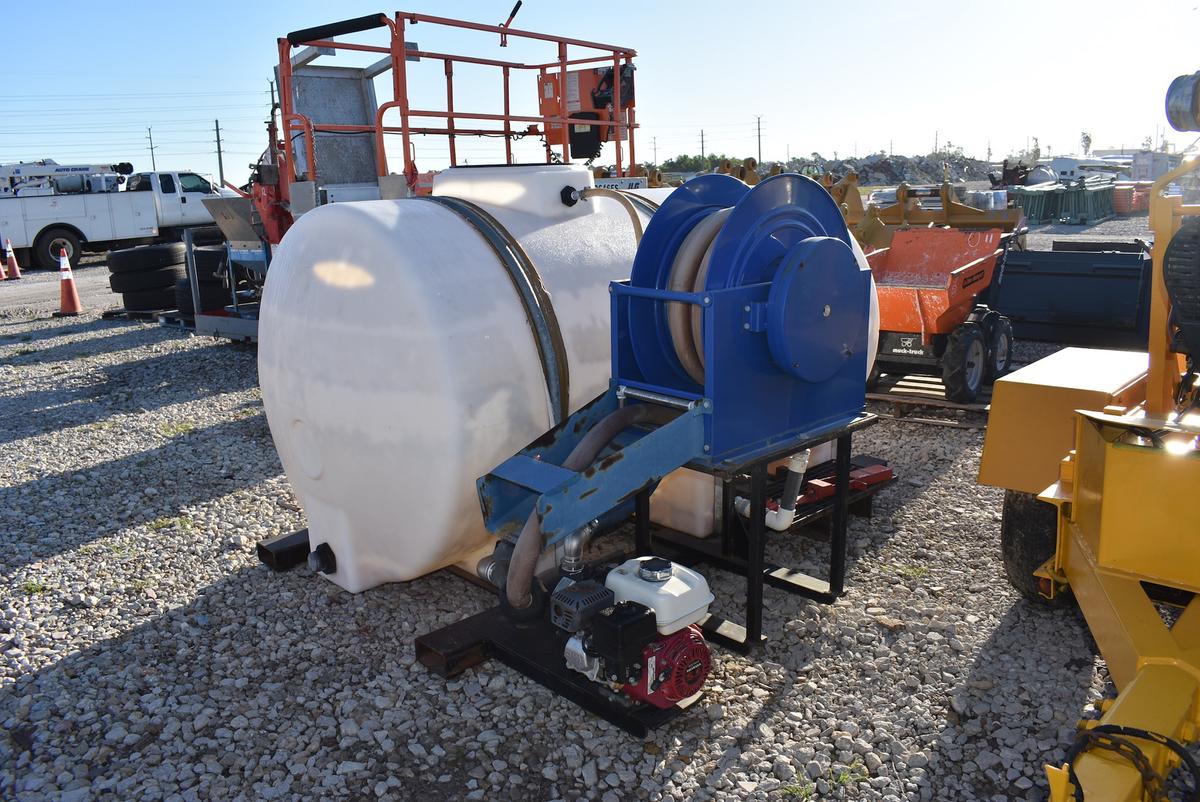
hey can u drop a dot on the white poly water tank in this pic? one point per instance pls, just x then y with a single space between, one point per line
397 362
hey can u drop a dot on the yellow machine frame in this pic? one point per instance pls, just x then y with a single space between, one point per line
873 225
1128 528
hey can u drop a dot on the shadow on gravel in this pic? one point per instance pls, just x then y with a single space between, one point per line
261 672
86 505
119 332
143 384
1026 689
73 327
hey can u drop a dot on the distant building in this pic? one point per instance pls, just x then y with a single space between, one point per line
1071 168
1148 165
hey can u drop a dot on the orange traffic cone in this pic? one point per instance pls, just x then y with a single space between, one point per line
14 272
68 303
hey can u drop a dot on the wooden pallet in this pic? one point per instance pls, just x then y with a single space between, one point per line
918 390
126 314
176 320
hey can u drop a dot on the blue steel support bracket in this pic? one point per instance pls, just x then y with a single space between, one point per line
507 493
531 473
610 480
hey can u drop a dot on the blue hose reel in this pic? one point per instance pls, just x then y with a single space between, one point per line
785 311
754 322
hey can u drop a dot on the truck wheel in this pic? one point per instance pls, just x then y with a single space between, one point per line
1000 349
1028 537
50 244
964 363
145 257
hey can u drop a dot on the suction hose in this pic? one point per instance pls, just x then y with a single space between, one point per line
621 198
689 272
529 543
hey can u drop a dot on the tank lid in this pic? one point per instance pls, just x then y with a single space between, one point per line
656 569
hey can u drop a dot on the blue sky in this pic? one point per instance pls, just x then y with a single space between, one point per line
85 79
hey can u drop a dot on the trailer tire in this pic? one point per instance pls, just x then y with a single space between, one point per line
210 262
1000 348
873 377
964 363
146 257
46 249
1028 537
150 300
212 296
146 279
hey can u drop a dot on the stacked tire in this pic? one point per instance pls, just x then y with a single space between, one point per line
210 270
145 276
154 277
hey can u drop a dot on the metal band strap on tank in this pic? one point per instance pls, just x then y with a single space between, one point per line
647 206
539 310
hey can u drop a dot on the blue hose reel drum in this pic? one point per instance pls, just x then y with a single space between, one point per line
784 315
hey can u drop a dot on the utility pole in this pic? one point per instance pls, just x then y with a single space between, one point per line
150 136
655 141
935 141
759 119
703 152
789 154
889 147
220 159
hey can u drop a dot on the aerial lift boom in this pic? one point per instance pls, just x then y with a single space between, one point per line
38 178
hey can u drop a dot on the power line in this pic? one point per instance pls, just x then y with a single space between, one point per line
124 95
111 112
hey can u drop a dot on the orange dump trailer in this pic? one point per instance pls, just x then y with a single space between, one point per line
930 317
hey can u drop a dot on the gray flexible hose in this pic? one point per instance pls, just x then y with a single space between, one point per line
529 543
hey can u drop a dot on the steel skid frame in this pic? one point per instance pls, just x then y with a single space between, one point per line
740 546
535 648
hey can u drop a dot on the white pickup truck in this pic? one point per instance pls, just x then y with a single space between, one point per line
153 207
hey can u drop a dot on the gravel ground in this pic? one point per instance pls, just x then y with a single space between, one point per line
145 654
37 291
1126 228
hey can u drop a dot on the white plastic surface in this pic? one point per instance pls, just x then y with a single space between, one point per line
397 364
678 602
684 500
535 189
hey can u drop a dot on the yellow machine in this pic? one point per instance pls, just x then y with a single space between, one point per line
746 172
1099 452
873 225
